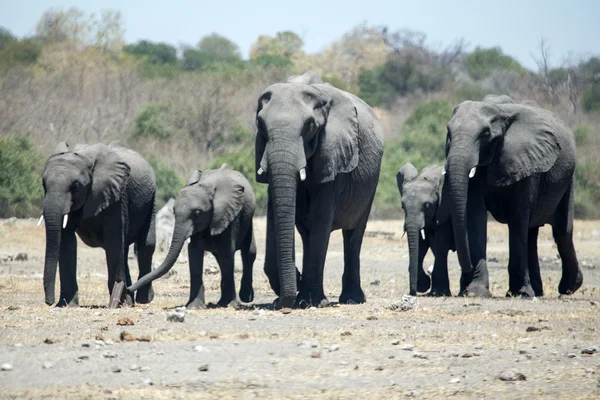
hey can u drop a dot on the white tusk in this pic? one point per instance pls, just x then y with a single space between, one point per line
444 170
403 233
303 174
40 220
65 219
260 171
472 173
423 233
429 270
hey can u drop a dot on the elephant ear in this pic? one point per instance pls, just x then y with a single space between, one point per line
407 173
443 213
529 146
61 148
110 175
337 149
195 177
227 204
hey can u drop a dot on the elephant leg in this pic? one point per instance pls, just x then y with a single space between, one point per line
115 249
316 241
518 269
440 281
196 263
248 257
533 262
146 244
226 264
476 282
67 268
423 280
562 230
352 292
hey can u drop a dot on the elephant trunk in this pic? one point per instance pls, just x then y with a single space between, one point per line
413 252
181 233
283 184
53 211
458 179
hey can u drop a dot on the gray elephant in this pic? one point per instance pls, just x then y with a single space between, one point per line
319 149
517 161
106 195
426 227
215 211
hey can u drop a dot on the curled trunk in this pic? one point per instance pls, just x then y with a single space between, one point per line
180 235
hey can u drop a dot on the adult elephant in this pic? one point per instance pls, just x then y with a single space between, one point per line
518 162
319 149
106 195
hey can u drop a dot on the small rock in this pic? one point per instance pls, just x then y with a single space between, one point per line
453 354
371 318
315 354
346 333
571 355
144 339
407 347
594 303
468 355
420 355
379 368
144 369
47 365
412 393
99 337
134 367
12 308
175 317
285 310
511 375
258 312
147 382
83 357
18 345
522 351
532 329
589 371
125 321
6 367
126 337
375 282
109 354
116 370
590 350
454 380
21 257
49 341
334 347
180 309
406 303
479 346
200 348
312 308
203 368
395 342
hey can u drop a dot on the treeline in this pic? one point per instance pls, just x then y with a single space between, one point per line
193 106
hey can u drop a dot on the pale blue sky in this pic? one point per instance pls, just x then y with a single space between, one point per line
515 25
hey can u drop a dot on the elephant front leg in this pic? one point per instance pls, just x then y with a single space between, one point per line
116 260
518 270
146 244
248 257
440 281
196 263
226 264
533 262
67 264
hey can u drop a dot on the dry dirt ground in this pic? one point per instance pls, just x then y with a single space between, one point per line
443 348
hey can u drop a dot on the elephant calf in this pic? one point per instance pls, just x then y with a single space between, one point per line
428 225
106 195
215 211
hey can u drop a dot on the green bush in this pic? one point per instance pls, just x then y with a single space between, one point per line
482 62
155 122
168 182
21 191
587 190
590 98
582 133
242 159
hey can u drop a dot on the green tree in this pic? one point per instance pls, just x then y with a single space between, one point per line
284 44
590 98
156 53
219 48
482 62
21 191
21 52
6 38
168 182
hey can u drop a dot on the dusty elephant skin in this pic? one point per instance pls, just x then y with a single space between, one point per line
516 161
319 149
427 226
105 194
215 211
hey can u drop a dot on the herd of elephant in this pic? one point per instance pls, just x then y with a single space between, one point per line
319 149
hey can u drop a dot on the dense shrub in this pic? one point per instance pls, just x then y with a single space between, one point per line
482 62
168 182
21 191
587 190
590 98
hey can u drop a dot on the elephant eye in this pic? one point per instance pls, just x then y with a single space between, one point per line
426 206
485 133
75 186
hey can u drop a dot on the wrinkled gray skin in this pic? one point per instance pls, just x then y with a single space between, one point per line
525 162
421 199
108 194
333 140
215 211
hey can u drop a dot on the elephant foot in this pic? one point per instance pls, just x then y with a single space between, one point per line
568 285
306 299
441 292
284 302
423 284
354 296
145 295
476 290
228 302
247 294
196 304
525 292
63 302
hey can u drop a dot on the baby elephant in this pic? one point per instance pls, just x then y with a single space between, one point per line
428 225
215 211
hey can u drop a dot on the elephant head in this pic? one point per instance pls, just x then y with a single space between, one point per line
79 184
206 206
421 198
306 134
499 143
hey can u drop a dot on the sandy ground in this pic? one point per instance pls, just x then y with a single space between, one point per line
444 347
